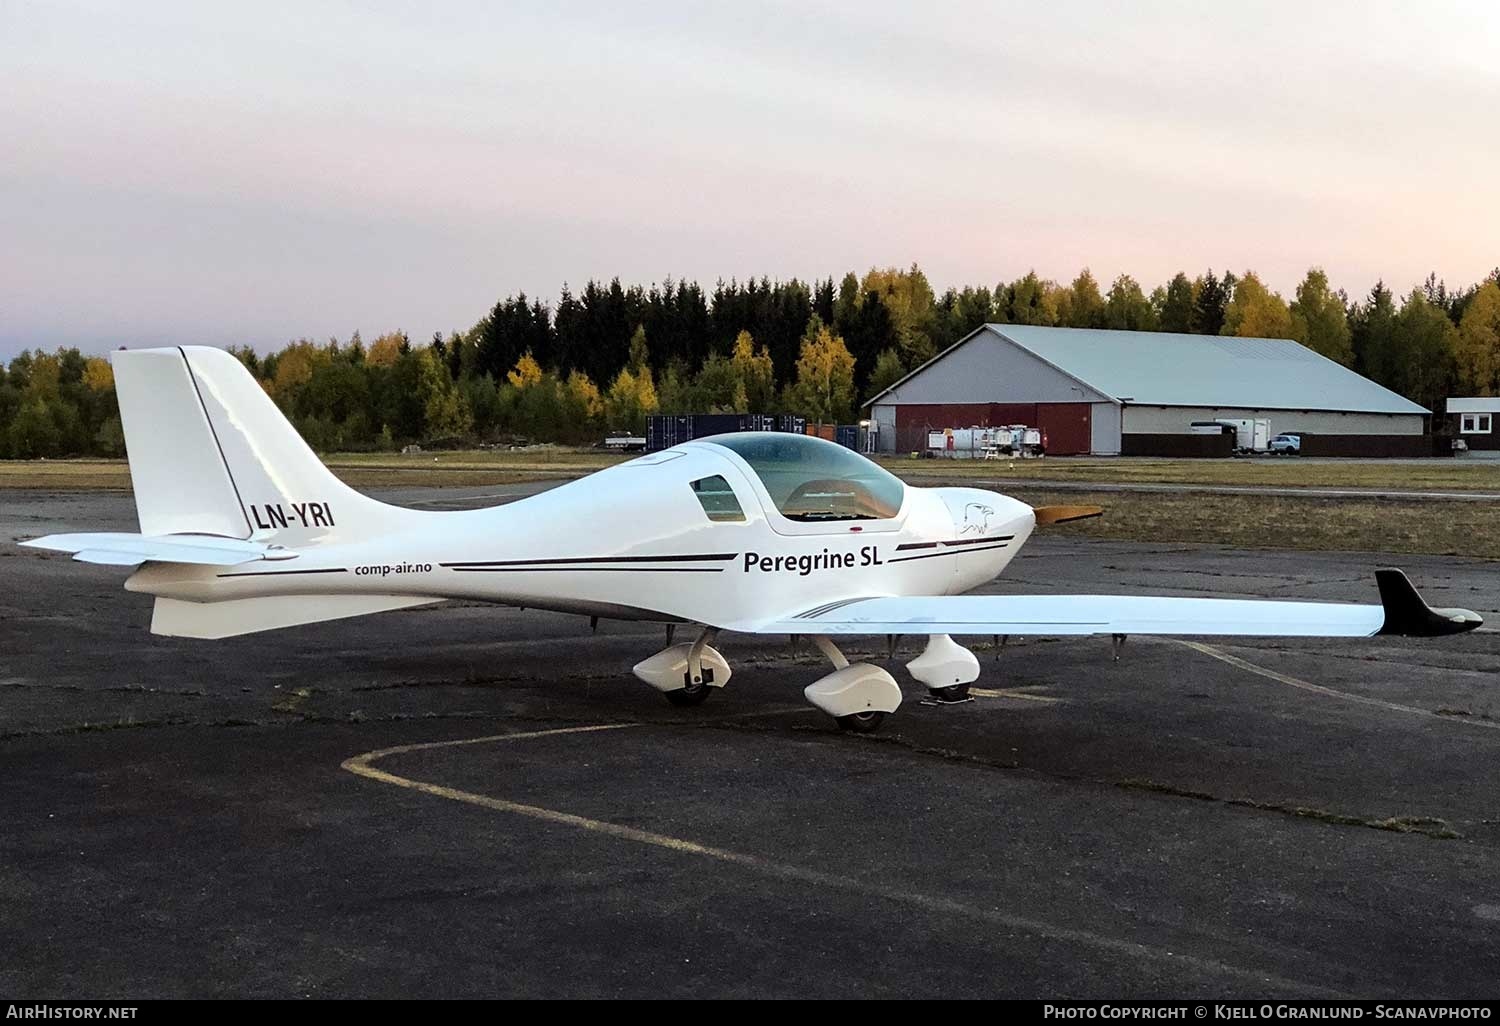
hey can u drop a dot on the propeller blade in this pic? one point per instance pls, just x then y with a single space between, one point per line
1065 514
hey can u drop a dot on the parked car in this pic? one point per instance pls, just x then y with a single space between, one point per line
1287 445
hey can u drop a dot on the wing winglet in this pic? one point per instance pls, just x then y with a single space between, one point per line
1409 615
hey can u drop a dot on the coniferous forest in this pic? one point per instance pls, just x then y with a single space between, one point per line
605 357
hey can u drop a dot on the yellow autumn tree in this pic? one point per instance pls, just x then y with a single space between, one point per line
445 409
98 375
632 397
1027 300
45 377
755 388
583 395
1256 311
1055 305
527 372
824 389
1082 304
294 369
386 350
1478 348
909 298
645 390
640 355
1320 320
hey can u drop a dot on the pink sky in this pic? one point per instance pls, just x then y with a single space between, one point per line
181 173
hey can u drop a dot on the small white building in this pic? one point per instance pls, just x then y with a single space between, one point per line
1474 419
1107 392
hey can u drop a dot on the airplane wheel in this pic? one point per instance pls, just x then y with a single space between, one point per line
691 695
953 693
862 723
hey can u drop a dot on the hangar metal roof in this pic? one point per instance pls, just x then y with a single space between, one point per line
1162 369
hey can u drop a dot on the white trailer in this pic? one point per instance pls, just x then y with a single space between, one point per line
1250 435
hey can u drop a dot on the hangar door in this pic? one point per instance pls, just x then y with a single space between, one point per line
1067 426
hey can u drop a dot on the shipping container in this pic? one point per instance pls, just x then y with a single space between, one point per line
656 435
706 424
665 430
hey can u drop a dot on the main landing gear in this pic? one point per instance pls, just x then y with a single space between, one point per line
858 696
947 668
686 674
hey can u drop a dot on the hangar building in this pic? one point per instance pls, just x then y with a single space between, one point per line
1137 392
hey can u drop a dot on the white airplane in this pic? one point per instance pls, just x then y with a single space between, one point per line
243 529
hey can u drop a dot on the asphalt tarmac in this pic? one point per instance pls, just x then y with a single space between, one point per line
467 801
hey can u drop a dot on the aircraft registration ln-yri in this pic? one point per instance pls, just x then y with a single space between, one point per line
243 529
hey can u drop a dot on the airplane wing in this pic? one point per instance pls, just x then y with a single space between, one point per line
1402 611
119 549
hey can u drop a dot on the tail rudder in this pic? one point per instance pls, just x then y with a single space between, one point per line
181 482
210 453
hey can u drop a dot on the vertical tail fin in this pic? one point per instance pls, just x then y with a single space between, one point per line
211 454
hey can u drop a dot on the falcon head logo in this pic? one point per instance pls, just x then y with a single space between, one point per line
976 518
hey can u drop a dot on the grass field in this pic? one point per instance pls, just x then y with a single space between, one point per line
1293 522
362 470
1246 521
1456 475
496 466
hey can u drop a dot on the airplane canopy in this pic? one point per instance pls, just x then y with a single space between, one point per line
810 479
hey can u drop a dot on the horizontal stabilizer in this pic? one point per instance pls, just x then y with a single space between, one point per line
119 549
177 619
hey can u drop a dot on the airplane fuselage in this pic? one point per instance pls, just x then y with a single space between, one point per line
569 548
